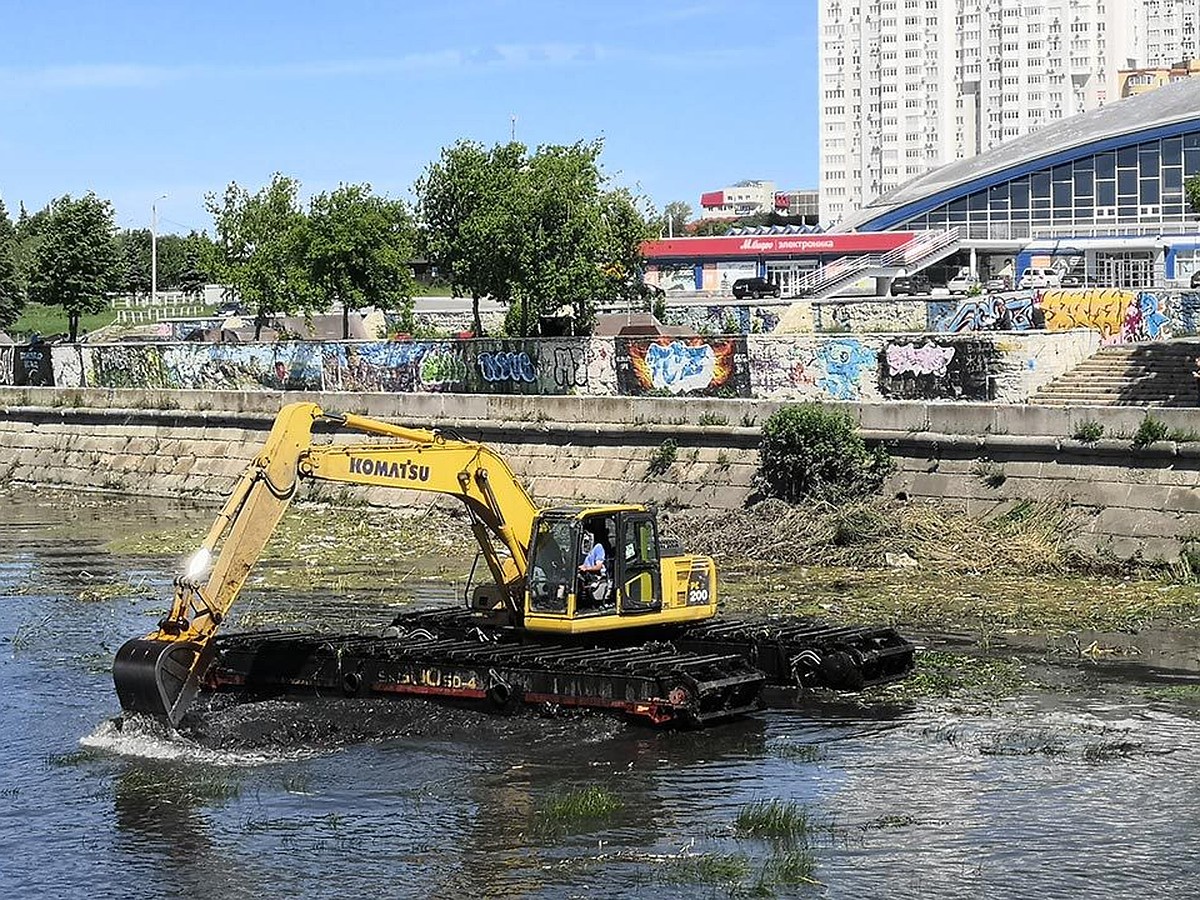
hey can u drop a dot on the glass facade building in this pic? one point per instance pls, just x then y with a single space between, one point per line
1119 169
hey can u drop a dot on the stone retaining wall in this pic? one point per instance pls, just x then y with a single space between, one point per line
986 458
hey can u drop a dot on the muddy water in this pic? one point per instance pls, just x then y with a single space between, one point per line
1091 789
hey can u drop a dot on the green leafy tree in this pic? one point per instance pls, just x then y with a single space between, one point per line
676 215
77 264
468 211
133 245
12 297
359 251
27 236
262 240
1191 190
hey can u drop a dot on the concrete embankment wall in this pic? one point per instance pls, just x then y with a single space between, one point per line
985 457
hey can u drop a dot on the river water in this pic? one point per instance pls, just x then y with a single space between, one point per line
1091 789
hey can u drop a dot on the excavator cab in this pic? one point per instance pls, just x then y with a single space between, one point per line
573 587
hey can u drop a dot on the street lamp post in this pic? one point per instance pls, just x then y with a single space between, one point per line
154 249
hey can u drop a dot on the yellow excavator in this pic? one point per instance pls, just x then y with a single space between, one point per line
567 571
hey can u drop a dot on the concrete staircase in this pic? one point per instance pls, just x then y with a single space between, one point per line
921 251
1157 374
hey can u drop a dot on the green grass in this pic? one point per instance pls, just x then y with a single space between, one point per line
775 820
47 320
708 868
949 675
786 868
578 808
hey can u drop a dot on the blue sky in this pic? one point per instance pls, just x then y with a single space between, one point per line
133 99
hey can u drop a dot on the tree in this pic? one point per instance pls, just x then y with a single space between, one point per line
133 246
359 250
76 264
262 240
468 219
1191 189
676 215
12 297
533 232
8 231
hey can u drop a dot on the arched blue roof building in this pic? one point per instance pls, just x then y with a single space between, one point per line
1117 169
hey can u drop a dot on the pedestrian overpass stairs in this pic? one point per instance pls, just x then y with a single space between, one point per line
1152 374
922 250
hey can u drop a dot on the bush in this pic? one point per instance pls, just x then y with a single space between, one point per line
811 453
1149 431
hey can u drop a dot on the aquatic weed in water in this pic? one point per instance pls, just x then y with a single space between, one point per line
777 820
708 868
577 808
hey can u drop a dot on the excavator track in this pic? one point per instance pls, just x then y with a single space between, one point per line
686 677
807 653
654 682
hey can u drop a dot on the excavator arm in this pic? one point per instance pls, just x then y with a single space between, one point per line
160 673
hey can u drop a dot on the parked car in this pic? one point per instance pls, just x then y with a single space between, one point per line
1039 278
755 288
963 282
911 284
1071 279
998 284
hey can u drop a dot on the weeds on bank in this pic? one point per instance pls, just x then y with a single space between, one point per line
1150 431
1088 432
663 457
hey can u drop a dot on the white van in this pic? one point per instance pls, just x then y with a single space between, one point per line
1039 278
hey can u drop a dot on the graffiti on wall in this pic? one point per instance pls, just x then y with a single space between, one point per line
813 368
1119 315
291 366
715 367
7 364
916 369
32 366
1187 313
992 313
671 279
725 319
469 366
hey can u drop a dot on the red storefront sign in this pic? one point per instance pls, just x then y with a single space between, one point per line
776 245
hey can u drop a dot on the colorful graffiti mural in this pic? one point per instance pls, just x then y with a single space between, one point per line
1121 316
466 366
937 369
292 367
672 365
725 319
813 368
985 313
778 367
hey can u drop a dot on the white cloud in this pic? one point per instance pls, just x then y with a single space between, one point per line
135 75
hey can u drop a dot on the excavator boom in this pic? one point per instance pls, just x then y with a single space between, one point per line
160 673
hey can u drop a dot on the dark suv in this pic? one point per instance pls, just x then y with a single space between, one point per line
911 284
755 288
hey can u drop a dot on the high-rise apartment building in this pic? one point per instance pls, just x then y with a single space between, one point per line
907 85
1166 30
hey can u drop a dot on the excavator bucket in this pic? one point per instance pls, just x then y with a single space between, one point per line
160 678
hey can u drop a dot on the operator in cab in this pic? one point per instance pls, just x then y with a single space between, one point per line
594 581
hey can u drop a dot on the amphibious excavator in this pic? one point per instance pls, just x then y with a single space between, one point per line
587 606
